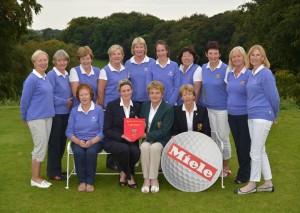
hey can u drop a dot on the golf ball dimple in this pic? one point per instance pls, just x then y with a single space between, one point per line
191 162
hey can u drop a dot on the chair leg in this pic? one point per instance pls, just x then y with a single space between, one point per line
68 165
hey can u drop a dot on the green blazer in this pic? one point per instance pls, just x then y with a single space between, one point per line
160 129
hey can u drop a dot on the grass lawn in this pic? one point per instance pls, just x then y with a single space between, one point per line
16 194
99 63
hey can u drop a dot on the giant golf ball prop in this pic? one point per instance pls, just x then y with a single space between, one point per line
191 162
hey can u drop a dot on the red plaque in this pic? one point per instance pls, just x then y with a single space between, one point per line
134 128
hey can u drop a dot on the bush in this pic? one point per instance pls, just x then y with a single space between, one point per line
288 84
10 102
288 104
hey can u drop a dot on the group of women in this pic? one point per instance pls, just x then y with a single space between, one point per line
211 99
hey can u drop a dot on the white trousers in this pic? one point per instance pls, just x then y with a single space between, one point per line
259 130
150 159
218 120
40 131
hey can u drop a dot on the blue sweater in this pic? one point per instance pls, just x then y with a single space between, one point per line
169 76
86 126
113 77
92 80
137 76
237 94
215 87
37 99
263 98
61 91
187 78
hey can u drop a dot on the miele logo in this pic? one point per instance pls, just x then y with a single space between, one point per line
191 161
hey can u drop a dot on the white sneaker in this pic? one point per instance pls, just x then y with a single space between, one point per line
43 184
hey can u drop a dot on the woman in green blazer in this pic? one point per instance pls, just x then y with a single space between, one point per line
159 117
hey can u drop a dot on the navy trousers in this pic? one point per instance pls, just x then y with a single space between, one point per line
128 154
239 128
57 144
86 162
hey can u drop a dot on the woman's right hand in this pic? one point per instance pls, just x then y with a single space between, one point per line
82 143
127 139
69 102
143 136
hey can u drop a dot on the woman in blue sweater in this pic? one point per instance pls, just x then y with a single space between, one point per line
110 75
263 106
84 73
138 66
165 71
190 71
236 80
37 110
59 80
213 74
85 130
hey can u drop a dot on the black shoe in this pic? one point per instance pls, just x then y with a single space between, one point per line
122 183
239 181
239 192
267 189
132 186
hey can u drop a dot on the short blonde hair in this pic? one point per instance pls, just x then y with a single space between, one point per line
262 52
242 52
156 85
113 48
84 51
136 41
124 82
36 54
188 88
60 54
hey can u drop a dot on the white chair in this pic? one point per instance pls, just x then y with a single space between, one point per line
72 171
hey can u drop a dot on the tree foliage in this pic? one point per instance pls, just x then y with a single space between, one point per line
15 17
275 25
272 23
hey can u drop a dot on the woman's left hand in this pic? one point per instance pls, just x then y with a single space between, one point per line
88 143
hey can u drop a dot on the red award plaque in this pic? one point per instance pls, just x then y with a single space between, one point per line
134 128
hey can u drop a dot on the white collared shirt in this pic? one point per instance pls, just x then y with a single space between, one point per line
91 108
73 74
217 67
226 75
152 114
197 74
258 69
38 74
189 116
168 62
146 59
58 73
103 75
126 109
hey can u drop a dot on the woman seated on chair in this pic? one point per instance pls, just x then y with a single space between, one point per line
159 117
126 151
189 116
85 131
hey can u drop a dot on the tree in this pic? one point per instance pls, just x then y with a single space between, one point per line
15 17
275 25
80 31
